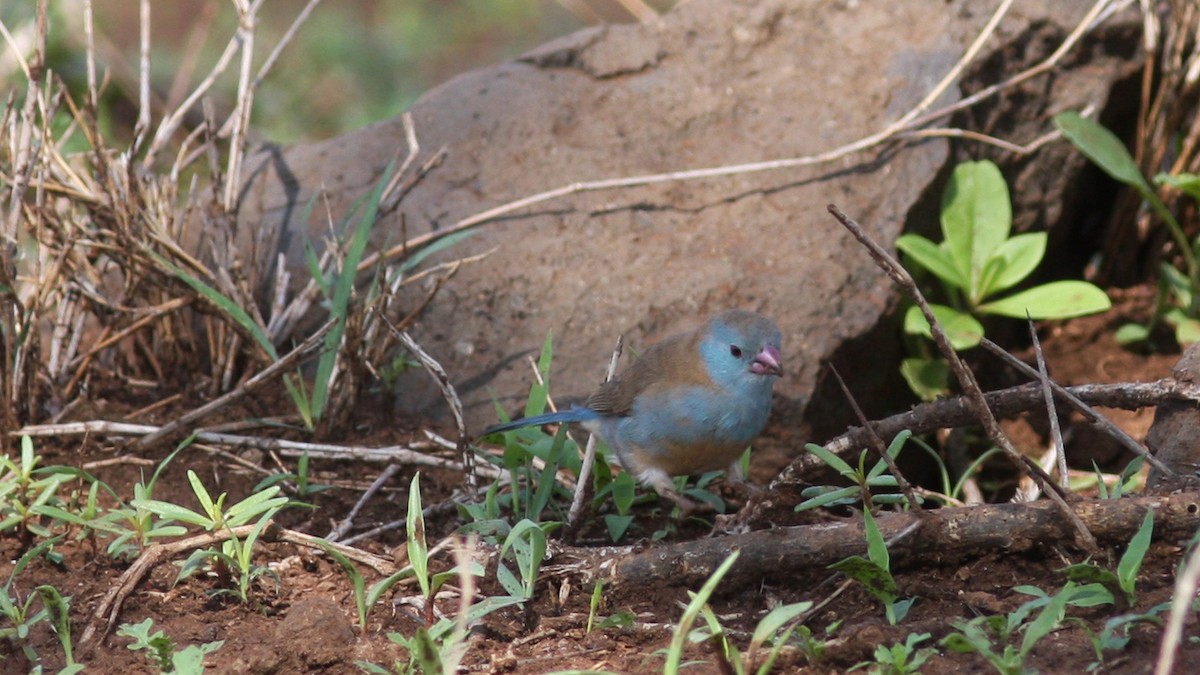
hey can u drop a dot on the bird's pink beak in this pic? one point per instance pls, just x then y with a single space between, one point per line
767 362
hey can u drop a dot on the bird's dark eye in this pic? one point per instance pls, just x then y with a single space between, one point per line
736 351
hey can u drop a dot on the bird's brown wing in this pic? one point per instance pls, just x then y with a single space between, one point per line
674 362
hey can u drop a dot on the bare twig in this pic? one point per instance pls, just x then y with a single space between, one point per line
1056 437
1181 605
880 447
442 380
346 523
266 375
584 484
1160 391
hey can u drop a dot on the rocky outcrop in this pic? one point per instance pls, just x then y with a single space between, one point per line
713 82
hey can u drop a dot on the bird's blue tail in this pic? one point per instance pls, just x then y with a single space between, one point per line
571 415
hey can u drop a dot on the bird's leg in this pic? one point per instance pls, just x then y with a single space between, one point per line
735 477
665 487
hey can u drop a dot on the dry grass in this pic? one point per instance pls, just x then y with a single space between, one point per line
129 261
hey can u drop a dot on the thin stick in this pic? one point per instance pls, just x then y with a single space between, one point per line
879 445
346 523
583 486
265 375
1102 422
1181 604
1055 432
966 378
143 119
442 380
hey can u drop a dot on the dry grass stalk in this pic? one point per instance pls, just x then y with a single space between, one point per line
96 242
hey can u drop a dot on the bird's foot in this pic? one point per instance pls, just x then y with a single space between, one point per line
687 507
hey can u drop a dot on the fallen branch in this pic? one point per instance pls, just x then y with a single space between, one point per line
946 535
954 412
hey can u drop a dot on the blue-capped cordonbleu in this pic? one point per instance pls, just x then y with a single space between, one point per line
691 403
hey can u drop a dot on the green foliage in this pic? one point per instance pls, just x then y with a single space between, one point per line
305 488
875 574
437 646
58 610
902 658
527 544
18 613
236 555
1179 292
990 636
865 481
1125 577
1115 634
699 600
978 259
24 490
160 649
1126 482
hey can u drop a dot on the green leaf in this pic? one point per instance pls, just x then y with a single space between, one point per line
962 329
1131 333
928 378
1188 183
876 545
418 548
1187 331
932 257
223 303
617 525
875 579
776 619
1135 553
1021 256
675 651
1055 300
1102 147
976 218
830 459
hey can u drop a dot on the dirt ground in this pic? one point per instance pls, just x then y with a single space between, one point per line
306 622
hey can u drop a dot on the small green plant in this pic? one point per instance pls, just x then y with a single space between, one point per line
1125 483
989 636
1125 577
305 488
1179 292
439 644
769 631
902 658
364 599
18 613
161 649
977 260
691 612
875 574
24 489
620 619
1115 635
58 609
864 481
772 630
236 555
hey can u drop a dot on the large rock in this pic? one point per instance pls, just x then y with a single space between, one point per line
713 82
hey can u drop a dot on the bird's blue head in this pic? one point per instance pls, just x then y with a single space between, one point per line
740 349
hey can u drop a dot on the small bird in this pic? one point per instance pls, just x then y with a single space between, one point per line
691 403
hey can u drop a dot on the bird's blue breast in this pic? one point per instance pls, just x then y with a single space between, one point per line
690 430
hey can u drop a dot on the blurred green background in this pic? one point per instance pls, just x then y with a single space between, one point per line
352 63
